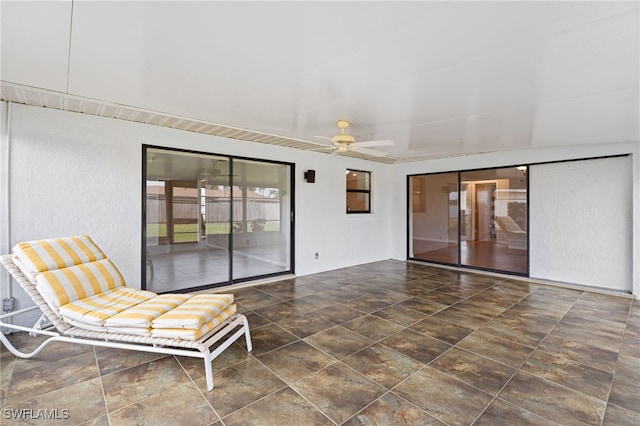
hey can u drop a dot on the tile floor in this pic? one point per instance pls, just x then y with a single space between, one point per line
378 344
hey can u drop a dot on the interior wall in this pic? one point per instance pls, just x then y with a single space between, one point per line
627 243
80 174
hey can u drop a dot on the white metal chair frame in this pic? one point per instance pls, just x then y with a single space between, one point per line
52 325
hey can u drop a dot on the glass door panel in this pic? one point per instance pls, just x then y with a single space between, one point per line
186 241
434 218
262 219
495 212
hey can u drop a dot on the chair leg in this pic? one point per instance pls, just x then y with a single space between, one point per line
208 370
247 335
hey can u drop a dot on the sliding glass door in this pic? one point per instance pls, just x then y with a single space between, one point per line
472 218
212 220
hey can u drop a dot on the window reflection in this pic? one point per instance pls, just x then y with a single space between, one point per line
492 206
210 220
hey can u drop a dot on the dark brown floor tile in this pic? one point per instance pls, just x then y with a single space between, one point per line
365 304
338 391
295 361
524 331
28 383
569 373
383 365
553 401
281 408
56 351
473 369
418 346
625 393
338 313
268 338
399 315
311 303
611 308
555 294
617 416
239 386
338 341
286 291
279 311
125 387
465 319
234 354
424 306
389 296
305 325
495 348
250 298
520 286
390 409
98 421
170 406
503 413
443 396
71 405
483 307
628 366
582 352
112 359
372 327
631 341
255 320
441 330
601 334
443 298
579 315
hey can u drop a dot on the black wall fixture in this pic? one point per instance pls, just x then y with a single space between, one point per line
310 176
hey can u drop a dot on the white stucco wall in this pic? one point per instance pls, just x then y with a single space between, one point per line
72 173
75 174
580 225
625 241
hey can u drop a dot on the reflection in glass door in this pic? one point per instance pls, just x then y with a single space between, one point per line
492 207
261 212
212 220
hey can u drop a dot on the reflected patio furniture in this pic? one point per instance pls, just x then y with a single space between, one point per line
516 237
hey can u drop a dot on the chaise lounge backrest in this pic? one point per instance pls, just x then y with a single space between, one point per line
83 288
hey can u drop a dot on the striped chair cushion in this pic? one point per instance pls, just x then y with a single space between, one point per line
33 257
95 310
195 312
191 334
142 314
62 286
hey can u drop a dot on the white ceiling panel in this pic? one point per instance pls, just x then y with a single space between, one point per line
437 78
34 48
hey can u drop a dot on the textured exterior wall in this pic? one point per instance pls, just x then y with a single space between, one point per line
581 222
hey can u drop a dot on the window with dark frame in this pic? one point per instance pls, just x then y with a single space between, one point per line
358 191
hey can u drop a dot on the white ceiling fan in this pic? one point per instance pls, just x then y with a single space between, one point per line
345 142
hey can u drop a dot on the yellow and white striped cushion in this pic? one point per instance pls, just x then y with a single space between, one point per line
96 309
190 334
195 312
33 257
141 315
62 286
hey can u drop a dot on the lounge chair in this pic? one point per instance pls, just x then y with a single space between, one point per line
516 237
84 300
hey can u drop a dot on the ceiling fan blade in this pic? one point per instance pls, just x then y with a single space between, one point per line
367 151
381 142
326 138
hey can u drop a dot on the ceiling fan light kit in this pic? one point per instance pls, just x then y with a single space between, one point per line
345 142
